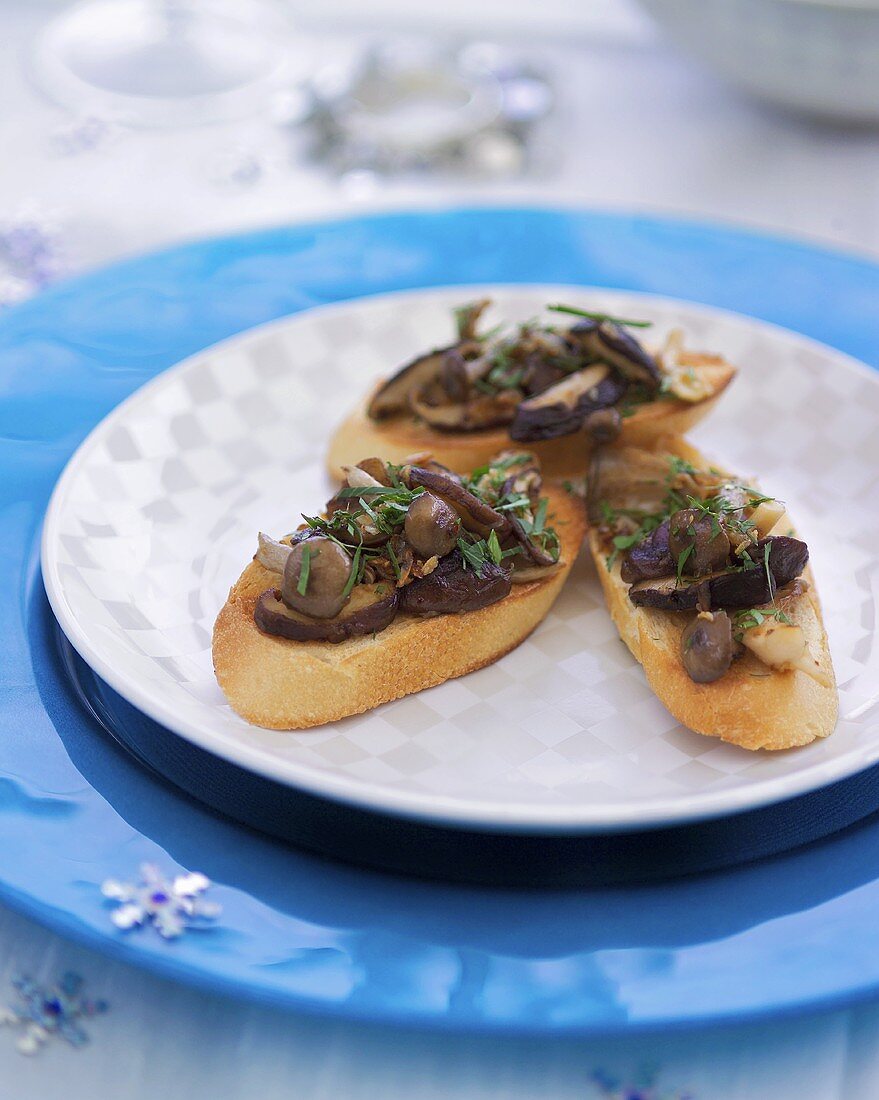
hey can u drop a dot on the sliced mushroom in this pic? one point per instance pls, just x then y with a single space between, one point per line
632 479
649 558
467 318
431 526
454 377
612 344
738 588
475 514
540 371
603 425
425 460
532 551
377 469
326 577
707 647
392 397
372 608
562 408
698 542
452 588
485 410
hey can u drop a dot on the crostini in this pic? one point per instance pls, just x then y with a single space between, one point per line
711 591
558 389
413 575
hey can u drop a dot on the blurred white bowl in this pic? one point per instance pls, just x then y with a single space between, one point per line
819 56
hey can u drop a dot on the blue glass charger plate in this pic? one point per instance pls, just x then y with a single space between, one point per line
793 932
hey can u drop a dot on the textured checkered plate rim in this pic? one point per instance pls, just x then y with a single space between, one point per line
788 777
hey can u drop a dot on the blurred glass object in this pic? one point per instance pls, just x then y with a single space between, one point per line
164 62
410 106
817 57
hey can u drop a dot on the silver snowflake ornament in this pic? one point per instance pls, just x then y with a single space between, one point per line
43 1012
170 905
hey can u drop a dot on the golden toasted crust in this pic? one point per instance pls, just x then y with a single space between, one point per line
400 436
752 705
282 684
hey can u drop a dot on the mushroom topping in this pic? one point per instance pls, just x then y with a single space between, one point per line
532 552
467 318
371 608
475 514
431 526
452 588
777 560
316 578
487 410
603 425
392 397
649 558
610 343
707 646
454 377
562 408
697 541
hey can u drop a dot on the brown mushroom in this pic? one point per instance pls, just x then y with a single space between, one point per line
648 558
485 410
772 568
431 526
475 514
610 343
392 396
372 608
451 588
603 425
562 408
698 542
707 646
315 578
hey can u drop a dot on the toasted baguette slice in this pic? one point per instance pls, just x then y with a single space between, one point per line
282 684
400 436
752 705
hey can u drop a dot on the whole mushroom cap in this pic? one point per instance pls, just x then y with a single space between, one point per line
431 526
329 568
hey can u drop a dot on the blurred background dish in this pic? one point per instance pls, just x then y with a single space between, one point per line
818 56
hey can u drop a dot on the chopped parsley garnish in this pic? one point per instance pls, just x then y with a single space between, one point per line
355 573
395 561
304 570
757 616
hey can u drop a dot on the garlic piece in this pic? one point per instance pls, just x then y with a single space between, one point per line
272 554
783 646
359 479
767 516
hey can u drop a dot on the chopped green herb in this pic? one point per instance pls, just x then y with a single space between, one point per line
756 616
592 316
304 570
494 548
355 573
395 561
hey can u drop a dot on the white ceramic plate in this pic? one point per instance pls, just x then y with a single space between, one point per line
157 513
